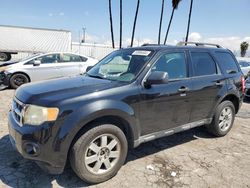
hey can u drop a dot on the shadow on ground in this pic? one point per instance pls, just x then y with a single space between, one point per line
16 171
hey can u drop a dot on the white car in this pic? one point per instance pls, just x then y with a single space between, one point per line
244 64
43 67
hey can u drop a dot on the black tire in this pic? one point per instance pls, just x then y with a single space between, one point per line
81 148
17 80
215 127
5 56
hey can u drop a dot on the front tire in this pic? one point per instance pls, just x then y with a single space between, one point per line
18 79
99 153
223 119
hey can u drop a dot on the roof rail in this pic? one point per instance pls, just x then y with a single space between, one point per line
199 44
148 44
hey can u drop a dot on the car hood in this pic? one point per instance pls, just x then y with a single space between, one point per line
46 92
8 63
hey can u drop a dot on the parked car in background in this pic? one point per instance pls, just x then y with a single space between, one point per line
244 64
43 67
247 91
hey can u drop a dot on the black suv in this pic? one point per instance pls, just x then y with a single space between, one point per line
132 96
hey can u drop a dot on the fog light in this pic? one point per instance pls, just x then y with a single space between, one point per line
31 149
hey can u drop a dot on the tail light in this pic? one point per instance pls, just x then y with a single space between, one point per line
243 86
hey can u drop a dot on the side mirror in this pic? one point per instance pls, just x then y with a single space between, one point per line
88 68
36 63
156 78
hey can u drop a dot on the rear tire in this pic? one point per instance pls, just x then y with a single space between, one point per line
223 119
99 153
18 79
5 56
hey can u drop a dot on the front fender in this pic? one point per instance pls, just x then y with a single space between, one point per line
89 112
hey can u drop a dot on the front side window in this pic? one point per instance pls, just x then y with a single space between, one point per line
121 65
66 58
172 63
203 64
46 59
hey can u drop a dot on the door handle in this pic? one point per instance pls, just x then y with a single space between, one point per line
183 89
218 83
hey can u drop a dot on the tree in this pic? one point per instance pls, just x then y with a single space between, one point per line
162 10
120 24
243 48
189 19
111 24
175 4
136 14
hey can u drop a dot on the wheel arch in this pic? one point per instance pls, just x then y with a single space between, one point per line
94 114
233 98
20 72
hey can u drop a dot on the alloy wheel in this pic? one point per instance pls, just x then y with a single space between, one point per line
225 119
102 154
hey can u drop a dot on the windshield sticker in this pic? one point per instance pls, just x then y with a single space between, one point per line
141 52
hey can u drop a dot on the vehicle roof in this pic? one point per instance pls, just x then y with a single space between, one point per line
47 53
172 47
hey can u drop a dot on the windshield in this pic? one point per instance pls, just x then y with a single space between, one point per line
122 65
30 57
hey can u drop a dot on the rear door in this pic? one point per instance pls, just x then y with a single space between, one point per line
70 64
208 84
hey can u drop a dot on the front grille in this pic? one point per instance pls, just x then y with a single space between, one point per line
2 76
17 111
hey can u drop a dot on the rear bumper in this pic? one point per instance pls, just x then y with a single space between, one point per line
36 143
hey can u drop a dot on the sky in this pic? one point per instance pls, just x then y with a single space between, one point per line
220 21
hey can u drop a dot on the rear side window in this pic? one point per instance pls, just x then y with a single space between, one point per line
227 62
203 64
84 59
66 58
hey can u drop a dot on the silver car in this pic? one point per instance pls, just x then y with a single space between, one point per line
43 67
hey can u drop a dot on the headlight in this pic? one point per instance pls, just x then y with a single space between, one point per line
36 115
3 68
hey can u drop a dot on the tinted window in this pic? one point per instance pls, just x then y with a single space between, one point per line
46 59
71 58
227 62
172 63
203 64
84 59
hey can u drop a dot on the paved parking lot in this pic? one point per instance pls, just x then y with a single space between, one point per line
189 159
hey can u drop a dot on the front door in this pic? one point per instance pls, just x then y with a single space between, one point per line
167 106
48 68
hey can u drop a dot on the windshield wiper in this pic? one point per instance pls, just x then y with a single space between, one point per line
95 76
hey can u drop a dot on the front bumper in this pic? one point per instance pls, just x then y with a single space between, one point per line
36 143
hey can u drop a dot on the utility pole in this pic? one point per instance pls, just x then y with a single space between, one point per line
189 18
84 34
